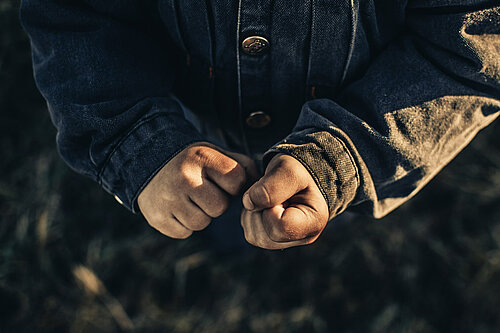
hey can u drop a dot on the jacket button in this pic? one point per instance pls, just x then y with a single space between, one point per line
258 119
119 200
255 45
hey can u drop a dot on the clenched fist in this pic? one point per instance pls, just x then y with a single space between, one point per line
194 187
284 208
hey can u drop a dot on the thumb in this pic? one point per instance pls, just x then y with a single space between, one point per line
279 184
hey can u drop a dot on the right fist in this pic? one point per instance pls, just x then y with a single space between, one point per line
194 187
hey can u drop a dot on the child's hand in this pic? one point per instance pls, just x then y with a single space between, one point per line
284 208
194 187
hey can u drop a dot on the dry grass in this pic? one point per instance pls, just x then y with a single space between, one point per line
71 259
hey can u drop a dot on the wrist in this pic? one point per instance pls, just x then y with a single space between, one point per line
142 154
329 163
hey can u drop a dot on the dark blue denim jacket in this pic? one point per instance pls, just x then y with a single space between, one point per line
373 97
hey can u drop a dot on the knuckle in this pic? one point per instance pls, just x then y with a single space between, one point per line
185 177
204 154
219 206
199 150
200 154
199 222
184 171
238 179
162 225
239 174
182 235
156 220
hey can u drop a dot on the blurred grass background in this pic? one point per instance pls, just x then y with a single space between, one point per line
72 259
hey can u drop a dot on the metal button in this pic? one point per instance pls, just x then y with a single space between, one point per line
258 119
119 200
255 45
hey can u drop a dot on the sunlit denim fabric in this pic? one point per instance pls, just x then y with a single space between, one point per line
373 97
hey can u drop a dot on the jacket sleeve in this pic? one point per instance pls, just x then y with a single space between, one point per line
106 72
420 102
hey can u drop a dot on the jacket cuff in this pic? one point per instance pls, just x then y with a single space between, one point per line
328 161
143 152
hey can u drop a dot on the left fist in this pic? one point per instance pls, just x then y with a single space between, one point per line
284 208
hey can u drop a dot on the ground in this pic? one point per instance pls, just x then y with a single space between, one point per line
72 259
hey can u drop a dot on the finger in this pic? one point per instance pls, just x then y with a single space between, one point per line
278 185
267 243
254 232
261 238
191 216
227 173
296 222
248 164
247 226
210 198
171 227
256 235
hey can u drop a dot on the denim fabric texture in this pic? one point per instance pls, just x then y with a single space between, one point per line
373 97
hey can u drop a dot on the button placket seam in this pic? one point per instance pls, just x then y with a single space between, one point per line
354 26
238 71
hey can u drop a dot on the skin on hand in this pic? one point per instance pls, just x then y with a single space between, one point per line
285 208
193 188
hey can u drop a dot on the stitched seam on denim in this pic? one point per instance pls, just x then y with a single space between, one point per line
354 25
346 150
309 62
238 72
210 27
182 39
122 140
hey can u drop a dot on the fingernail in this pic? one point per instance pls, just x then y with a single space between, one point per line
247 203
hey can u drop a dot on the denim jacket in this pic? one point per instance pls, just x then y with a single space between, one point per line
373 97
